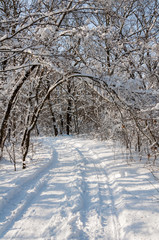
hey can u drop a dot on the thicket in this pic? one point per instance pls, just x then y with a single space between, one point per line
79 67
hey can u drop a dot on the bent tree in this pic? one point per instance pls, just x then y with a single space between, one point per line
4 124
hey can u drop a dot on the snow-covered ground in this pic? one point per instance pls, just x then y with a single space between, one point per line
78 189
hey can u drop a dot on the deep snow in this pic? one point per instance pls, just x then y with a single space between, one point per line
79 189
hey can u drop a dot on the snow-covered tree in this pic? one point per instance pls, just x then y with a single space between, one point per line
79 66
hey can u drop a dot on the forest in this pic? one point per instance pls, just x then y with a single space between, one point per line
71 67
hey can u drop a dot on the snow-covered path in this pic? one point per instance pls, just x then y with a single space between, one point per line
80 190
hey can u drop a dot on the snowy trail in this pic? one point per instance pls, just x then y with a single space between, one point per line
103 193
82 191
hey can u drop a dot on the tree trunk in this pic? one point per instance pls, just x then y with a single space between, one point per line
3 129
68 114
53 117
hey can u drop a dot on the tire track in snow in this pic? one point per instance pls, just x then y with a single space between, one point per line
20 200
78 200
68 217
108 186
87 199
100 171
81 199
